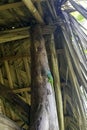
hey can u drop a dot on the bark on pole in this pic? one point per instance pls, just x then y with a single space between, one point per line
43 105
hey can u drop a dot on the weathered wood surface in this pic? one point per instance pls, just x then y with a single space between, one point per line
43 109
21 108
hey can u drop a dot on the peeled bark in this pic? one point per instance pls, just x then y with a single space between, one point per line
43 106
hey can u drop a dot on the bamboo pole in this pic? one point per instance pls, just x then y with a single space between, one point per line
11 5
25 60
39 7
7 70
28 76
48 4
15 34
43 105
33 10
8 74
57 87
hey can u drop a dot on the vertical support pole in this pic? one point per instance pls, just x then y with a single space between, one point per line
43 105
55 70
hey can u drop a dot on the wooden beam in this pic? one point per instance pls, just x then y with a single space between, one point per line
11 5
27 68
57 86
8 73
22 33
15 34
33 10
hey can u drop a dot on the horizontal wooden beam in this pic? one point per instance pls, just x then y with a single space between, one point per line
22 33
11 5
15 34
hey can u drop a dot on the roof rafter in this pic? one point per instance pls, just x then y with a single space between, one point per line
16 34
22 33
11 5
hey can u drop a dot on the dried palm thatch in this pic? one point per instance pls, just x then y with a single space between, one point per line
66 46
75 44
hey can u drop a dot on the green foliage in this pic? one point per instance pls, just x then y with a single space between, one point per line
78 16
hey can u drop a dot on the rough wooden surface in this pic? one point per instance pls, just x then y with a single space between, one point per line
44 114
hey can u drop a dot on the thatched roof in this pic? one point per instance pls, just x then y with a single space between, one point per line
16 19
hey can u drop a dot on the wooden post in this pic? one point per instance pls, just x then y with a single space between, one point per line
55 70
43 105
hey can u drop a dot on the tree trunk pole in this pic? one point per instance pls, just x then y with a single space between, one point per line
55 71
43 105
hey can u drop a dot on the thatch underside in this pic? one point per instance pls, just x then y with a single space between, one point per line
60 30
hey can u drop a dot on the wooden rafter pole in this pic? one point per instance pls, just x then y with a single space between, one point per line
11 5
9 77
15 34
7 70
27 68
22 33
33 10
57 86
39 7
43 111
